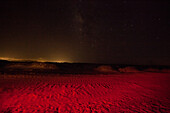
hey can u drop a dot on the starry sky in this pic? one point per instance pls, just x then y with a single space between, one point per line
87 31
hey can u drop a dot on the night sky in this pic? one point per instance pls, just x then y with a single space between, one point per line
87 31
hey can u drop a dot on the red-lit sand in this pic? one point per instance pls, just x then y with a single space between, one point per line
141 92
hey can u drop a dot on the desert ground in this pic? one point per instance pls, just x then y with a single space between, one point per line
144 92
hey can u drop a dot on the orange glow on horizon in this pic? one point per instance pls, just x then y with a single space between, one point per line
37 60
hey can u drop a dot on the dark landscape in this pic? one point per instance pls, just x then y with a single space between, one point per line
87 88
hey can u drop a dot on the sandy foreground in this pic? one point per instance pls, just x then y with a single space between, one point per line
135 92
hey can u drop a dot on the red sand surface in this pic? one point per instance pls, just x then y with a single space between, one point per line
140 92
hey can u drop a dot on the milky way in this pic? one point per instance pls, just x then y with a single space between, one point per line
94 31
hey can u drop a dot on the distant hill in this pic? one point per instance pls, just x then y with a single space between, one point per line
35 67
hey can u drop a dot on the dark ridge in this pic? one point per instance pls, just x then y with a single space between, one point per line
9 67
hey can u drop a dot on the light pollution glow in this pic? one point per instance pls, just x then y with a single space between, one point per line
37 60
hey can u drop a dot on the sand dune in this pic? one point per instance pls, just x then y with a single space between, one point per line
142 92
